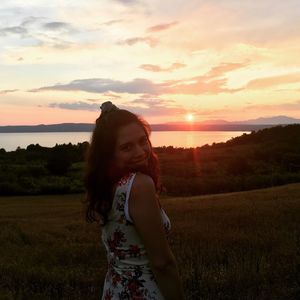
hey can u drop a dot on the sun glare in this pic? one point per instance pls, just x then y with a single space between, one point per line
189 117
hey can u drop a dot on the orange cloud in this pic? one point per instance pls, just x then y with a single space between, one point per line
265 82
156 68
213 82
111 95
200 85
290 106
224 68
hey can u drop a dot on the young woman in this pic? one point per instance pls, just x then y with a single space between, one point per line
122 184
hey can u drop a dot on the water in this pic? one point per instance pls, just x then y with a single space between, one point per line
10 141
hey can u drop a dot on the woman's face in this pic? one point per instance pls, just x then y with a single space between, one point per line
132 149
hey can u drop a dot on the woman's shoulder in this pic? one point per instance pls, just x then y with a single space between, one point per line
136 182
143 198
142 183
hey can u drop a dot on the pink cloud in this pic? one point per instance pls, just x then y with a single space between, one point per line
161 27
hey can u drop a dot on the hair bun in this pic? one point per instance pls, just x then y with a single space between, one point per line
107 107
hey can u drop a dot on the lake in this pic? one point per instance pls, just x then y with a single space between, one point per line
186 139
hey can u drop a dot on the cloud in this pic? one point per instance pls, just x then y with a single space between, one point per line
153 68
53 31
93 100
37 33
3 92
156 68
55 42
199 85
288 106
15 30
151 106
30 20
224 68
161 27
56 25
111 95
127 2
102 85
154 111
213 82
107 96
79 105
150 100
266 82
112 22
148 40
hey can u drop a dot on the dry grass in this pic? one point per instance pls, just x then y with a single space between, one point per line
242 245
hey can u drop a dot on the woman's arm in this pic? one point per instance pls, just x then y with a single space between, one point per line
145 212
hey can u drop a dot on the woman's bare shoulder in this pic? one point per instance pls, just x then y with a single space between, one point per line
142 183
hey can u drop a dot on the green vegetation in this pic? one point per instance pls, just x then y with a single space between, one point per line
243 245
41 170
266 158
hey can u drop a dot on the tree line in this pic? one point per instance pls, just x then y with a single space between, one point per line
264 158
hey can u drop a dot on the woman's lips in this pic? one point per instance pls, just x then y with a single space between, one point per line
139 161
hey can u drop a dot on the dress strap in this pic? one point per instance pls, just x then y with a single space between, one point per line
128 189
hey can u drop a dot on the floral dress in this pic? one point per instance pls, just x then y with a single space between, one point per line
129 275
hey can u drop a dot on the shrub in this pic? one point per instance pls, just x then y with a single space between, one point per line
58 162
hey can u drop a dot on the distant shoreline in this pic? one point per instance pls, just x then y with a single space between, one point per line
72 127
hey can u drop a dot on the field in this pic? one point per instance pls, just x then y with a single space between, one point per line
243 245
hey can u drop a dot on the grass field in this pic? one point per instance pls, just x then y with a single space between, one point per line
242 245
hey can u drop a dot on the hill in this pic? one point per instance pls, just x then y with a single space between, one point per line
265 158
208 125
74 127
231 246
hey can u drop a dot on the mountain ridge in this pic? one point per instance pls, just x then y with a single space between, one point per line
207 125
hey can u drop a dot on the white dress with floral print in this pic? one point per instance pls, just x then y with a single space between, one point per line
129 275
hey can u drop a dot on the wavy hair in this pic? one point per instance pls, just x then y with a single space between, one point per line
98 157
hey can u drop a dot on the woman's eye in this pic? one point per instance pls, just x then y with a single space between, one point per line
126 148
144 140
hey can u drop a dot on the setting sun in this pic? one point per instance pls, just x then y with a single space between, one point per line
189 117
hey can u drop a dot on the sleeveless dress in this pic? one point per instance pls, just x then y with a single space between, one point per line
129 276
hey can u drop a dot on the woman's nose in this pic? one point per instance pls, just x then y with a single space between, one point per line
139 151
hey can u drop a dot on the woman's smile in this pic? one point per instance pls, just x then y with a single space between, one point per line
143 160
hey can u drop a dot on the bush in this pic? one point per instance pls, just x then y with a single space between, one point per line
58 162
56 185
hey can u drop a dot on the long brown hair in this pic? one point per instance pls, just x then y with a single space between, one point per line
98 157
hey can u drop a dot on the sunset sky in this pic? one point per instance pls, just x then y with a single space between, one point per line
214 59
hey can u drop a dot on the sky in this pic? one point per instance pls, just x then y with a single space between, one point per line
163 60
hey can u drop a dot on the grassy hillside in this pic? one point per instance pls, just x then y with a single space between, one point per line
243 245
267 158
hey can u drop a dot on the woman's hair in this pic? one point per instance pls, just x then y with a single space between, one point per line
98 157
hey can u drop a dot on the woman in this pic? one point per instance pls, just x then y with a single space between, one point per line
122 183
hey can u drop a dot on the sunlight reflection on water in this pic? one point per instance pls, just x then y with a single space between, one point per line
10 141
